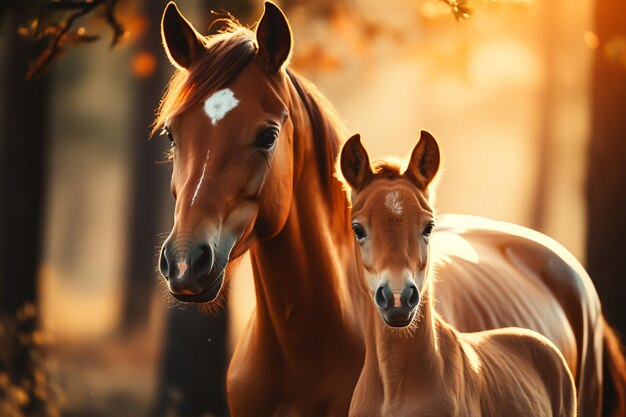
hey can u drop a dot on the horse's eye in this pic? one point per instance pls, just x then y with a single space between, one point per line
266 139
428 229
166 132
359 231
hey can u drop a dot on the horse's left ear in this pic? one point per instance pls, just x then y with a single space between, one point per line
424 162
355 163
274 38
182 43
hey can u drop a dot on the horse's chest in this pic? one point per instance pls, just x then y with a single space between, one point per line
418 406
270 386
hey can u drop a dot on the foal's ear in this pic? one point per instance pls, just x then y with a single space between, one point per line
274 38
424 162
355 163
182 43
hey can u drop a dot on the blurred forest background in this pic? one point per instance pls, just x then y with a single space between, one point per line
526 98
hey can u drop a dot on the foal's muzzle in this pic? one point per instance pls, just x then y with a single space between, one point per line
397 307
189 271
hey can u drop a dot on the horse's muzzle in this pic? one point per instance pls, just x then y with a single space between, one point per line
397 309
190 271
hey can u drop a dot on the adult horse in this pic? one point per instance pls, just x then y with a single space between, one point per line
253 156
253 151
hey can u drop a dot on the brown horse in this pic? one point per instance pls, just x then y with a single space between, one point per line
253 152
432 369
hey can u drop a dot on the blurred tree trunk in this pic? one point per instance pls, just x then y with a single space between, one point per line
23 146
606 178
549 9
149 179
193 372
23 157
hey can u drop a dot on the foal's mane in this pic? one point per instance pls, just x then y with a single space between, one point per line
389 167
227 54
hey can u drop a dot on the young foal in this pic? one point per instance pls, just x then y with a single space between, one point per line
417 364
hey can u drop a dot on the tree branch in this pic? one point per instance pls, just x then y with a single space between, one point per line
59 33
460 9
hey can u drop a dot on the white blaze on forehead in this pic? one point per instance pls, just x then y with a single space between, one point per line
394 203
219 104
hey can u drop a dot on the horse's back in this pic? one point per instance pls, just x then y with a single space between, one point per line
495 274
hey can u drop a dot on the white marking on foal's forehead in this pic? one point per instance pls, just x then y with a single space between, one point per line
219 104
394 203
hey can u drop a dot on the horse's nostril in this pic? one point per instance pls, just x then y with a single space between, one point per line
202 260
413 296
164 266
383 297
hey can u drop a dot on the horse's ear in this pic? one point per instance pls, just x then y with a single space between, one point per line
274 38
182 43
424 162
355 163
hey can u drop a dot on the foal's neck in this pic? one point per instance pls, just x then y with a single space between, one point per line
409 352
412 360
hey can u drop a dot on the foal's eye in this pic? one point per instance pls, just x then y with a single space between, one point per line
166 132
359 231
266 139
428 229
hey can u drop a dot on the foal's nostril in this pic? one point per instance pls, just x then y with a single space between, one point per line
411 296
201 260
164 266
384 297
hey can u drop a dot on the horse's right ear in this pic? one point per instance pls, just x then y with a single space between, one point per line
355 163
182 43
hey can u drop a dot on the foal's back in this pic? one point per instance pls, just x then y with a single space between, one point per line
517 372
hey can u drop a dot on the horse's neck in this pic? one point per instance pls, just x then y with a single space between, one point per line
299 273
303 275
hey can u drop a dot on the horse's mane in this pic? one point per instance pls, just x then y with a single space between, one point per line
228 53
325 123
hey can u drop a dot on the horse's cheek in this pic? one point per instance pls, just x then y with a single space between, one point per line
275 198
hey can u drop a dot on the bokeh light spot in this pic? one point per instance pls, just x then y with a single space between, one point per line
591 39
143 64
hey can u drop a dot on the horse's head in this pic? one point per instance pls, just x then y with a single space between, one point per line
392 221
226 114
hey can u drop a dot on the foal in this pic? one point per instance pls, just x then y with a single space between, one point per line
416 364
